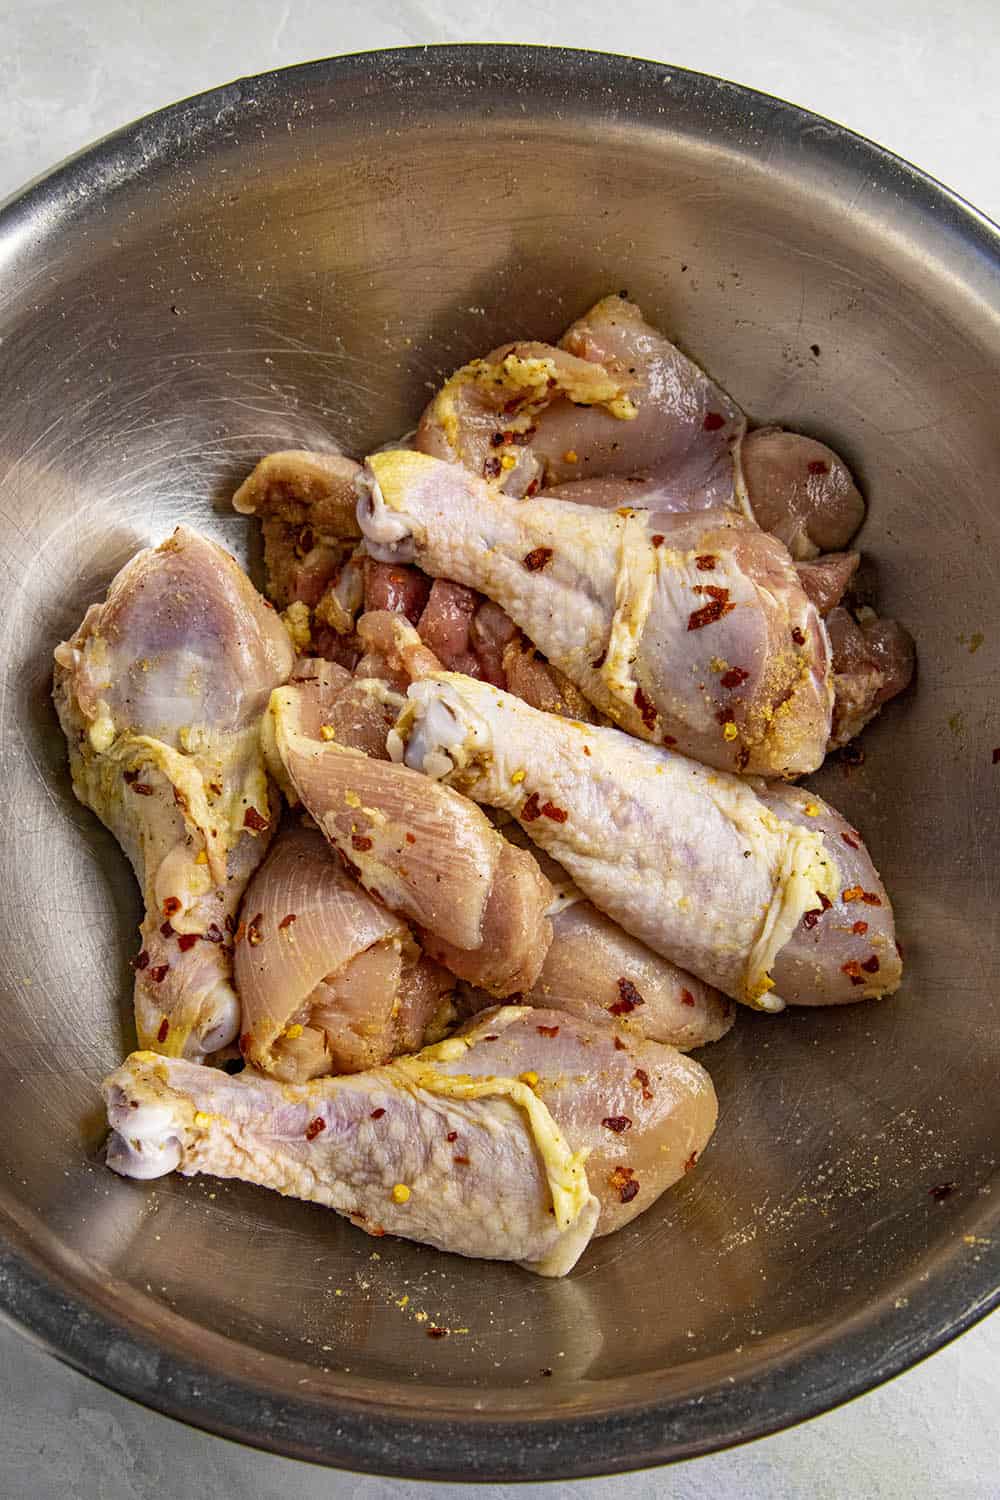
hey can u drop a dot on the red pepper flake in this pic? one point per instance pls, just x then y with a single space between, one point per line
461 1161
532 489
254 934
452 1135
547 1030
713 421
851 841
315 1128
557 814
142 789
646 709
186 941
629 999
824 901
942 1191
252 819
537 559
734 678
530 809
286 921
853 971
599 661
622 1179
686 997
411 838
617 1123
725 716
376 1114
491 468
166 930
668 740
159 974
996 756
817 466
239 934
360 842
171 906
493 1037
619 1044
812 917
705 562
691 1161
437 1333
142 961
870 965
131 777
798 636
246 1042
213 933
641 1077
870 898
657 539
710 613
860 928
164 1031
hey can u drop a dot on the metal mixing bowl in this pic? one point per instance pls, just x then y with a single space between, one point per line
300 257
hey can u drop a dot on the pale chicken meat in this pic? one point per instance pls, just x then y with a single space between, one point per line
422 850
330 981
723 877
517 1140
800 491
160 694
305 502
873 661
690 630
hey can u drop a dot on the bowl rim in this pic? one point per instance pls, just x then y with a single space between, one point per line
45 1303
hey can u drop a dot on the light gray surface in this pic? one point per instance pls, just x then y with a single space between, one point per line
919 81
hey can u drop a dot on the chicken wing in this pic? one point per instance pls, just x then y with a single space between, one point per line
688 630
515 1141
725 878
160 694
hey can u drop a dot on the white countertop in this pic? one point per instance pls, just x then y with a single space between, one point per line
918 77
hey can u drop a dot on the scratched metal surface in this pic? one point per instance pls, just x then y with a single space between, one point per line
299 258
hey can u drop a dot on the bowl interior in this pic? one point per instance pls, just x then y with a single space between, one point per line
295 261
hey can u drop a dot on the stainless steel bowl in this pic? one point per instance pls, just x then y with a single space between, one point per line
299 257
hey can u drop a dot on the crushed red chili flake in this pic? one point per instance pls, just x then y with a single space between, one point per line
437 1333
452 1135
734 678
254 934
657 539
817 465
286 921
641 1077
537 559
411 838
142 961
166 930
252 819
360 842
646 710
860 928
159 974
725 716
850 841
705 562
493 1037
599 661
131 777
246 1042
619 1044
376 1114
668 740
713 421
461 1161
710 613
556 814
628 998
491 468
870 965
824 901
686 997
239 934
530 809
230 925
164 1031
942 1191
171 906
186 941
622 1179
547 1030
617 1123
532 489
315 1128
853 971
691 1161
996 756
213 933
142 788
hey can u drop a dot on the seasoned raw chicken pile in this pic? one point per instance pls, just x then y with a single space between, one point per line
542 679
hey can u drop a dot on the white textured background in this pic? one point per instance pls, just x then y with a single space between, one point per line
916 75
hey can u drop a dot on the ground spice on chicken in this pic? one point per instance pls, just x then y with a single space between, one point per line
705 562
530 809
734 678
187 940
537 559
622 1179
159 974
252 819
617 1123
315 1128
646 709
641 1077
628 998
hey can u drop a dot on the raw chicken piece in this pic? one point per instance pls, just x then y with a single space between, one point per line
702 867
159 694
800 491
425 851
827 579
445 626
329 980
306 502
689 630
394 587
873 660
508 1142
536 681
